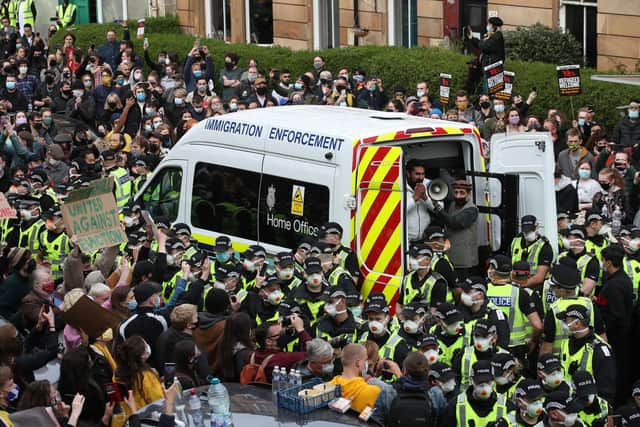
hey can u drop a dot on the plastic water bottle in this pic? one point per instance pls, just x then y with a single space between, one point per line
616 221
218 397
292 378
181 413
195 409
275 379
284 379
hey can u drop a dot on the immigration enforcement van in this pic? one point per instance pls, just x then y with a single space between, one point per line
275 175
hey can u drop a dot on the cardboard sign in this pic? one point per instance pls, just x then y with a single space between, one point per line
149 221
89 316
569 81
6 211
140 33
91 215
509 79
445 88
494 74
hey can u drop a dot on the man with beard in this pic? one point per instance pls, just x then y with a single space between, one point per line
460 221
418 202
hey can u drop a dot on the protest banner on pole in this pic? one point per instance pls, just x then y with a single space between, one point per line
569 81
506 93
445 88
494 74
91 215
6 211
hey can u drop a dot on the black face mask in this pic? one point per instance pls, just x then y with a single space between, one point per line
605 186
49 80
228 65
31 265
66 92
460 202
261 90
485 105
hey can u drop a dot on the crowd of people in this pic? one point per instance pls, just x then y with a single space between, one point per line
528 339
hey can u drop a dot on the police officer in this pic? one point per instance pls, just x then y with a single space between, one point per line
334 274
561 410
594 408
427 344
65 14
142 169
224 252
27 233
391 345
479 405
436 239
630 240
564 282
586 351
422 284
596 238
131 218
175 251
41 190
55 244
285 271
413 318
563 219
534 248
551 374
301 253
262 306
450 331
474 306
442 375
506 370
120 176
253 266
331 233
337 320
630 413
517 306
310 297
183 232
587 263
483 347
529 400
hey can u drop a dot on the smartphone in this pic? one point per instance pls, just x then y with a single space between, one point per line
263 270
53 19
115 392
169 374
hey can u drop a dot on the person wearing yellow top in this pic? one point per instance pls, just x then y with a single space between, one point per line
352 381
132 369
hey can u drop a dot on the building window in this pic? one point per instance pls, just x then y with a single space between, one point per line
259 21
579 17
221 20
326 24
403 23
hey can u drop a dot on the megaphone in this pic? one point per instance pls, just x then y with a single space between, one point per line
438 190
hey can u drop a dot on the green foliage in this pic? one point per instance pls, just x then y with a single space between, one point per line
396 66
538 43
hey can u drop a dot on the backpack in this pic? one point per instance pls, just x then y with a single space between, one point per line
411 409
254 373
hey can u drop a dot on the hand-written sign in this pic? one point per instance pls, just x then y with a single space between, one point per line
569 81
91 215
494 74
445 88
509 79
6 211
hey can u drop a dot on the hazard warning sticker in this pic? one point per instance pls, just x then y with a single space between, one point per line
297 200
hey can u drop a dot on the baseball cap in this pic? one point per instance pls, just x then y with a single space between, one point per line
434 232
196 260
578 232
306 243
415 308
312 265
564 276
377 307
273 280
441 372
181 228
548 363
175 244
584 384
52 211
224 271
560 399
144 291
635 390
334 292
223 243
575 310
420 250
427 340
448 313
481 372
162 222
501 362
593 216
376 297
255 251
319 247
474 283
283 259
502 264
563 215
330 228
484 328
108 155
528 223
529 389
521 269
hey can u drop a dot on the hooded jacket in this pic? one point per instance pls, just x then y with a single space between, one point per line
209 334
566 196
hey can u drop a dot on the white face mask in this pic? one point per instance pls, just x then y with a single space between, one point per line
330 309
365 368
171 260
249 265
314 280
275 297
410 326
530 236
454 328
376 328
466 299
285 274
553 380
432 356
413 264
503 380
534 409
569 419
482 344
449 386
483 391
220 285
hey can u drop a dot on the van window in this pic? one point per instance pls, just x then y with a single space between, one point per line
291 210
225 200
162 195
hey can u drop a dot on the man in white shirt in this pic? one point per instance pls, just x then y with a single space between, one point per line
418 202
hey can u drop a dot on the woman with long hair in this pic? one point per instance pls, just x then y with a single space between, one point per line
76 377
9 391
237 343
132 370
120 297
187 356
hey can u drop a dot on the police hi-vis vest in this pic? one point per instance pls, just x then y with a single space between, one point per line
123 186
561 305
531 254
425 290
466 363
632 268
65 15
334 276
583 358
465 413
507 298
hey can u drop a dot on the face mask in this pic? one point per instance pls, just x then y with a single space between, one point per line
569 419
514 120
317 65
220 285
414 264
483 391
420 93
466 299
26 215
534 409
77 93
297 86
192 277
132 305
331 309
482 344
633 114
202 88
275 297
48 287
141 97
485 105
489 28
147 128
171 260
198 109
314 280
327 369
373 88
261 90
454 328
10 85
47 121
449 386
431 356
106 81
120 82
410 326
584 173
530 236
358 78
167 61
499 108
249 265
87 84
605 185
222 257
285 274
147 350
462 106
178 101
233 106
502 380
553 380
581 122
23 70
357 312
573 147
376 328
590 399
21 121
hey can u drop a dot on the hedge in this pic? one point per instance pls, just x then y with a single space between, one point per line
394 65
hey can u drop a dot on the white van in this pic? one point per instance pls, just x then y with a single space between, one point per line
275 175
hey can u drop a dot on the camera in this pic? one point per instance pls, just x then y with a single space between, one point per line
340 342
286 321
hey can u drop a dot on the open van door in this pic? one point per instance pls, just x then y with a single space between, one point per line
530 157
377 219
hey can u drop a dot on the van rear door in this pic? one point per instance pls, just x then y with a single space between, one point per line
530 157
377 220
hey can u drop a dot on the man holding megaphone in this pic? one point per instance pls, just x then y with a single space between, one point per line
419 205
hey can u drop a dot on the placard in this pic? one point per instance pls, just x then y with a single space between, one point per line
494 74
506 93
89 316
569 81
91 214
445 88
6 211
140 32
